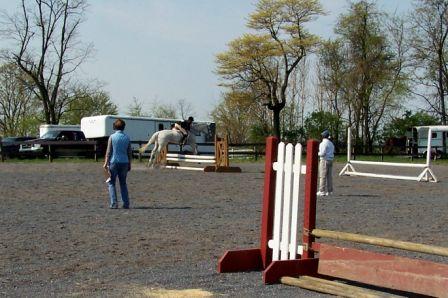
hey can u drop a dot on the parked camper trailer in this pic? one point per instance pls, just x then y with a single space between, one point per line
418 139
140 129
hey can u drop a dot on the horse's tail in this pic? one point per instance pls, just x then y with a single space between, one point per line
152 140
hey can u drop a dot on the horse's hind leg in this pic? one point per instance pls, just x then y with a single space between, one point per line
151 158
154 154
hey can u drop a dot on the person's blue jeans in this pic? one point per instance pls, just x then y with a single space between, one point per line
119 170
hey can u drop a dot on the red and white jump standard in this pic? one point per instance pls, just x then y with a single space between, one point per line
325 260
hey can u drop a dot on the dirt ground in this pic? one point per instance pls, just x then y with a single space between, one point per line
59 238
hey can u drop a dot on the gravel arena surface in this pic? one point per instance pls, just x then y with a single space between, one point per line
59 238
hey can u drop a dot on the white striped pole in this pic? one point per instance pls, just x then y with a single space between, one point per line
349 144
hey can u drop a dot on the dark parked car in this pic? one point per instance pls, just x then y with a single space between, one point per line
11 146
72 144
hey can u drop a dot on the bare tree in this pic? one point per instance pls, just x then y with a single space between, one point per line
240 117
87 100
185 108
429 43
136 108
293 115
47 48
17 103
160 110
362 71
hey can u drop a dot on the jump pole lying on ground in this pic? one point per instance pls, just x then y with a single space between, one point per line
361 266
426 175
217 163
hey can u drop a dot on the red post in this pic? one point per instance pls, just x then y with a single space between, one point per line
267 216
309 209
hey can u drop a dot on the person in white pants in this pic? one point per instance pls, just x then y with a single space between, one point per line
326 154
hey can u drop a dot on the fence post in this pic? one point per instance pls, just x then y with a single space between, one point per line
139 152
50 157
267 216
309 210
95 156
2 157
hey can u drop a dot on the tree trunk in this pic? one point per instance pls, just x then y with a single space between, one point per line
276 113
442 98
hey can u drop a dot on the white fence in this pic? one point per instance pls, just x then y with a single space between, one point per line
426 175
287 189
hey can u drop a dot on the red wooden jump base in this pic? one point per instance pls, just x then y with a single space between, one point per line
329 261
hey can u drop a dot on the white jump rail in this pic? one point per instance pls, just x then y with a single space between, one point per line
191 158
284 244
426 175
219 162
183 168
194 159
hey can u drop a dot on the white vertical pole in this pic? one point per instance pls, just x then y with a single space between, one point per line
428 148
349 144
295 200
278 167
286 217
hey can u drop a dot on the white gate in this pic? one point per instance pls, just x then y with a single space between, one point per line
287 189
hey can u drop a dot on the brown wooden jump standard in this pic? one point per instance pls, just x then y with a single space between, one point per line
383 270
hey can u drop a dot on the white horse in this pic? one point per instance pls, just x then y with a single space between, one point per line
162 138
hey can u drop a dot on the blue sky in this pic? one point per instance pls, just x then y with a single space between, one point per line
164 50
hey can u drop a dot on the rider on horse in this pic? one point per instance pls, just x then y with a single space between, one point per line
184 128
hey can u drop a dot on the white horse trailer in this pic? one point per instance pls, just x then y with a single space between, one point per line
420 138
140 129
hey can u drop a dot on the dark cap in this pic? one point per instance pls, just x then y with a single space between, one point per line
325 133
